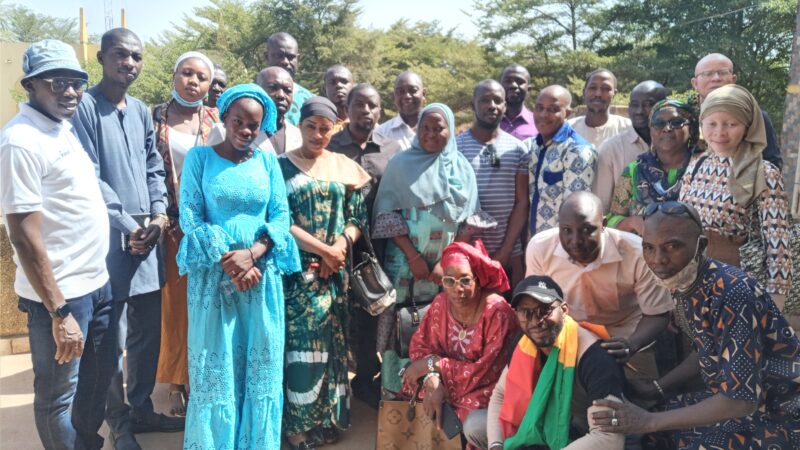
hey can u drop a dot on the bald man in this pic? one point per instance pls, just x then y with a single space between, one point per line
617 152
500 162
409 98
561 160
338 82
715 70
518 120
283 51
605 278
598 124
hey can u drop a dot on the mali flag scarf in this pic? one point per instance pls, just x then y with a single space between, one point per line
542 415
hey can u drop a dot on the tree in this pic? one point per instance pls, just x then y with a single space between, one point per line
21 24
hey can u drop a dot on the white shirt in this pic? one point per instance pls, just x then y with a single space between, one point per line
394 133
44 168
597 135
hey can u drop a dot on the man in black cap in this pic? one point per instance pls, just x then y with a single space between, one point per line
549 331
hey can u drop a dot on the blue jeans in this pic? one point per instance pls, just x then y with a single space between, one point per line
79 383
141 336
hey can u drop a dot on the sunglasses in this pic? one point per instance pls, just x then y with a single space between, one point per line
671 124
465 281
673 208
60 85
490 154
529 314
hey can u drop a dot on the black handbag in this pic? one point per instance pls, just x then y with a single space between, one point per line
408 319
368 283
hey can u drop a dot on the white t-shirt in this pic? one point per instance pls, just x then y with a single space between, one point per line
44 168
597 135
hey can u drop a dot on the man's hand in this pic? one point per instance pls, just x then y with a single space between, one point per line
502 255
142 241
619 348
69 339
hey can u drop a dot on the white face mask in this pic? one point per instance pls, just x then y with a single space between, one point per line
683 280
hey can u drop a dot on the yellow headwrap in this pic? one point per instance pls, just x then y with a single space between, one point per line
747 179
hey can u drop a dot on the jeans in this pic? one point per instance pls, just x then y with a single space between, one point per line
80 383
142 338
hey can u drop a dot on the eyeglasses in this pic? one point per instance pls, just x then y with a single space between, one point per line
711 73
529 314
60 85
465 281
490 153
671 124
673 208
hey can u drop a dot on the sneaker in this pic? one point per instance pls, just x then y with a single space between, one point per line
157 423
123 441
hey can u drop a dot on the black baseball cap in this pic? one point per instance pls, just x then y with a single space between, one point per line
540 287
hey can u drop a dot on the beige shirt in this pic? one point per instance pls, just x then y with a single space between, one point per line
614 290
597 135
613 156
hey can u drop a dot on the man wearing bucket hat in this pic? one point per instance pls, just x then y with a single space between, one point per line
557 369
58 226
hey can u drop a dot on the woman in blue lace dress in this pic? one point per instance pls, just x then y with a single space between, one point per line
235 217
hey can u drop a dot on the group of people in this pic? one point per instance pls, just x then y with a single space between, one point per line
587 278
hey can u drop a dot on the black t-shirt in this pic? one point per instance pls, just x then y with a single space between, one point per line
600 374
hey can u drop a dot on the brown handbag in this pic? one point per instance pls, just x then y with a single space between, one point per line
403 425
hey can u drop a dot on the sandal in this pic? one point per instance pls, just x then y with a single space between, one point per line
308 444
330 435
178 405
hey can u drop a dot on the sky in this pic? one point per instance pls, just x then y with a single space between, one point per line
148 18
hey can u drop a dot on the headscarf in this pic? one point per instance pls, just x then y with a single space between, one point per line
747 180
254 91
444 182
489 272
318 106
175 95
652 180
328 166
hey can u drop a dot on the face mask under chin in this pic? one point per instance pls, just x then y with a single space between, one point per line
683 280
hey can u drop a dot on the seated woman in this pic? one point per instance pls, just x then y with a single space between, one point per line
655 175
747 353
740 196
466 338
426 196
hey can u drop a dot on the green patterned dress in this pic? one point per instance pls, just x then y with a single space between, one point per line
317 389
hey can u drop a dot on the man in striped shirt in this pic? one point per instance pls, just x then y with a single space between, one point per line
501 168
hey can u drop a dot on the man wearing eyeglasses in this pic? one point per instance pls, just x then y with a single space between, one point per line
58 225
605 278
501 169
116 130
512 420
716 70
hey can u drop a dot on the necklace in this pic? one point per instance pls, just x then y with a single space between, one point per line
322 192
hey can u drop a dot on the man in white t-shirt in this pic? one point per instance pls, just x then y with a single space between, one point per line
598 124
58 225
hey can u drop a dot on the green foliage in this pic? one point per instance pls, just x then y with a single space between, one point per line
21 24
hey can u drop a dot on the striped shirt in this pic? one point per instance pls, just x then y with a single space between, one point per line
496 185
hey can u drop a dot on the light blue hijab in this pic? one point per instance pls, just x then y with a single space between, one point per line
442 182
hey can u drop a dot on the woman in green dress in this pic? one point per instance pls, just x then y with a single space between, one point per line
326 202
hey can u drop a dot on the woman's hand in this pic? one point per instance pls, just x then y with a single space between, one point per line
335 256
174 232
629 418
643 389
437 273
633 224
236 262
419 268
248 279
435 394
325 271
415 371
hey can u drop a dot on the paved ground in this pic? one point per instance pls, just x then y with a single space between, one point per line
17 430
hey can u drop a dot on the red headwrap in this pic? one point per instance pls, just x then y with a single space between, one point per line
489 272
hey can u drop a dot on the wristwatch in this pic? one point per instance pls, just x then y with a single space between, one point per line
431 367
60 312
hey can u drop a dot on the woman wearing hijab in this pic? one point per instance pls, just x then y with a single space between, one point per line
656 174
180 124
237 244
466 337
324 191
738 195
428 198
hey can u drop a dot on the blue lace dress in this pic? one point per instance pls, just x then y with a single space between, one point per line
236 339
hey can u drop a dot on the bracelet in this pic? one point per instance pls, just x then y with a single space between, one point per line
495 444
430 375
252 257
660 390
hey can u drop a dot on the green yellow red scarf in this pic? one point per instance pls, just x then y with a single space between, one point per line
536 406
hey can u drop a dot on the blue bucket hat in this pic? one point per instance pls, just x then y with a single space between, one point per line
50 54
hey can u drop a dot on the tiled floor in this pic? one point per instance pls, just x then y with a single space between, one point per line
17 430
